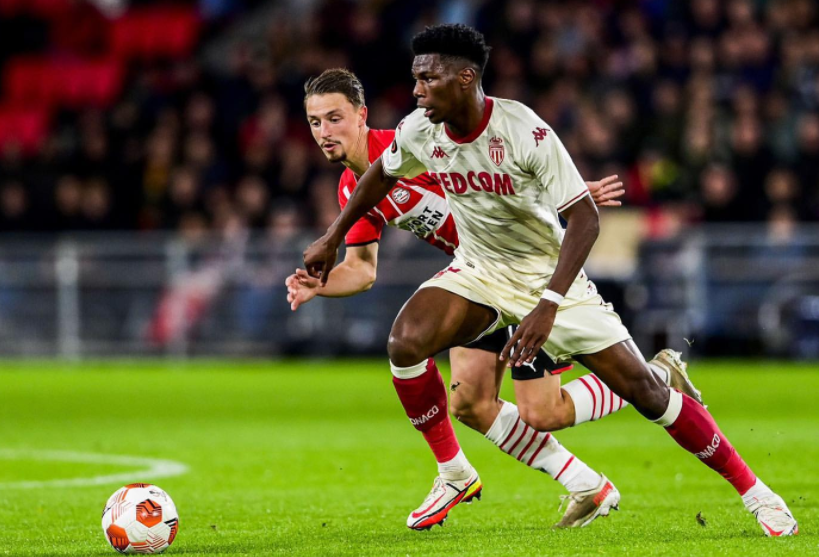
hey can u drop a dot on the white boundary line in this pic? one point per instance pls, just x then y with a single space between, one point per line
150 468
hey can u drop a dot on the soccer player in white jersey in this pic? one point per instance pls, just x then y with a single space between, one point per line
337 115
508 178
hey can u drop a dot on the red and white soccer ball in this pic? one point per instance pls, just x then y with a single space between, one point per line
140 518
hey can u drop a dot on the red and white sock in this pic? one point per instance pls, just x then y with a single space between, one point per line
423 395
695 430
539 450
594 400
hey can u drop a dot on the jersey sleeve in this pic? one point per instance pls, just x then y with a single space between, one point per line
366 230
551 163
398 159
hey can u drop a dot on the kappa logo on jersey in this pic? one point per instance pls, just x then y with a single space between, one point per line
540 135
400 195
438 153
496 150
710 450
454 182
447 270
394 147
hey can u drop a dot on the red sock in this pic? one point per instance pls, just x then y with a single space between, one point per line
697 432
424 400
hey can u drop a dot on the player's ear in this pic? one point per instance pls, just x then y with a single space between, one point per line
467 77
362 116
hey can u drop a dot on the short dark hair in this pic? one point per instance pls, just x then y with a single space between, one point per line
336 80
453 40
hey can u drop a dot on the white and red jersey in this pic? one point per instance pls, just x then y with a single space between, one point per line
416 204
505 183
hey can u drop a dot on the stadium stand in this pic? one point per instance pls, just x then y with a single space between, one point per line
708 109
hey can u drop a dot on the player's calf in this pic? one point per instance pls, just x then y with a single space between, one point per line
629 377
543 404
543 418
423 396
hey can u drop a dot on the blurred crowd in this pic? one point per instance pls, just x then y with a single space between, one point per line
708 109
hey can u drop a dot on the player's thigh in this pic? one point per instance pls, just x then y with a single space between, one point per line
476 375
437 319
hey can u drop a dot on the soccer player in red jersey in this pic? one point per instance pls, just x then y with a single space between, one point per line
336 112
507 179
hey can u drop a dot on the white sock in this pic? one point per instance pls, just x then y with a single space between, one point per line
594 400
757 491
456 469
672 412
410 372
539 450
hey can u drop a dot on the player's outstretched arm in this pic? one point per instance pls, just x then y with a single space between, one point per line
583 227
320 256
354 275
606 191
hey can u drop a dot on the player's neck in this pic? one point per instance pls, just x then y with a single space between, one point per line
468 119
358 160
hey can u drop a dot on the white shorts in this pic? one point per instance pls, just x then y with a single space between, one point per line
584 326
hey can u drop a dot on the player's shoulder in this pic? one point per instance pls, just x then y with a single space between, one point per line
415 123
382 137
378 141
523 124
517 115
346 183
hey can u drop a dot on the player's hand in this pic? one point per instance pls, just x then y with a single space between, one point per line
301 288
533 331
320 257
606 191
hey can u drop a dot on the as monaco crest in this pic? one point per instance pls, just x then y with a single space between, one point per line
496 151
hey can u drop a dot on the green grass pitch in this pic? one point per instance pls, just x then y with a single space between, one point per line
317 458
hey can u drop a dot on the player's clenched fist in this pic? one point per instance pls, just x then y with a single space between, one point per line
529 337
320 257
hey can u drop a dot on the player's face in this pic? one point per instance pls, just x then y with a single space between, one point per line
335 123
437 87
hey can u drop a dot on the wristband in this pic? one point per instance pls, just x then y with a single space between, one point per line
551 296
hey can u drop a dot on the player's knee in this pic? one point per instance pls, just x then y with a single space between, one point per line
469 411
541 419
405 349
461 409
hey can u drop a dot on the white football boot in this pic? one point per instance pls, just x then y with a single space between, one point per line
671 361
445 494
585 506
773 516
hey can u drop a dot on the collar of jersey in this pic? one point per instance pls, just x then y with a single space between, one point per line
473 135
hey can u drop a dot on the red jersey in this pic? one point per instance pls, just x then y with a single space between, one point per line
417 205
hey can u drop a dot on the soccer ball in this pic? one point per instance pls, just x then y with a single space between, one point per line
140 518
